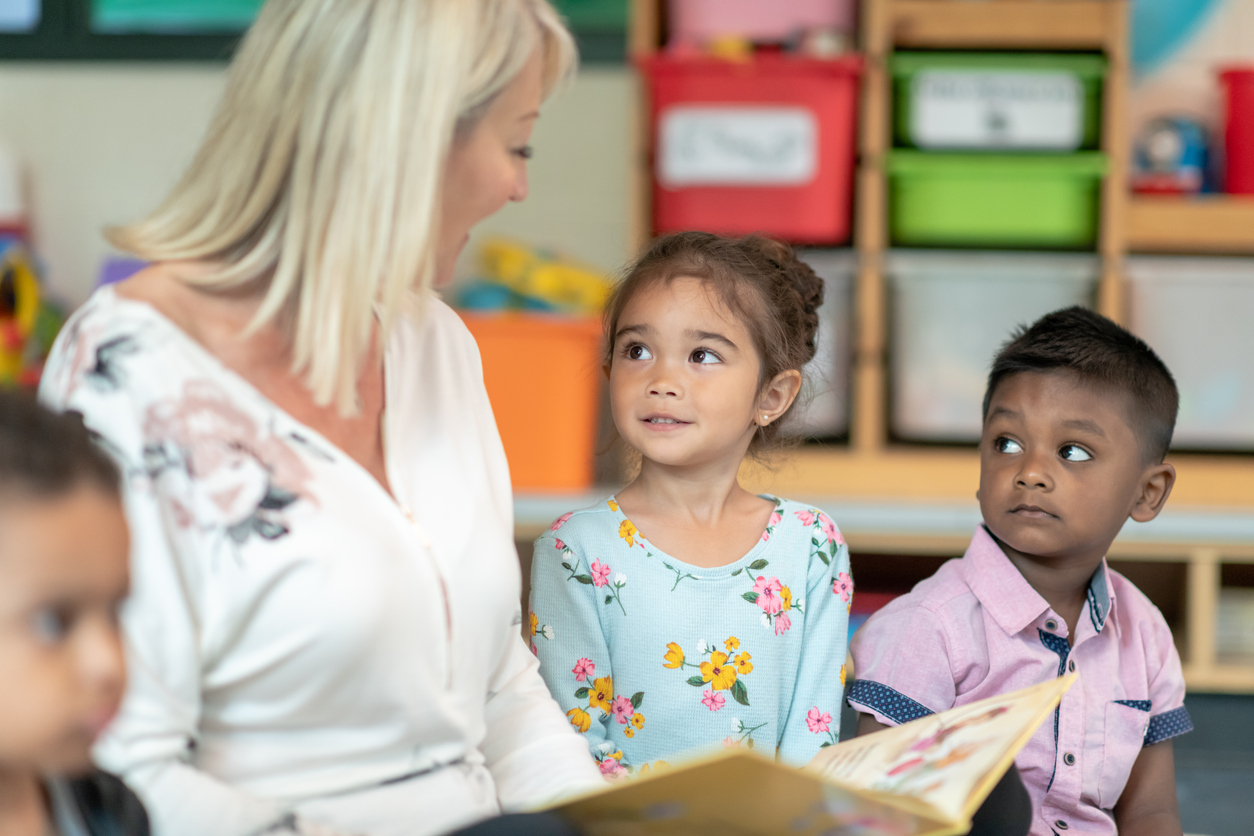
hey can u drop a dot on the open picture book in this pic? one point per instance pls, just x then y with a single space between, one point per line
924 778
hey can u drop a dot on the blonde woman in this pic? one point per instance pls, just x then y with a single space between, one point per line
323 633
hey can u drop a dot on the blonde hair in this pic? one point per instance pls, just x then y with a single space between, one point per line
318 184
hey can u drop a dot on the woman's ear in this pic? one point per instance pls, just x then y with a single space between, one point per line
777 396
1156 486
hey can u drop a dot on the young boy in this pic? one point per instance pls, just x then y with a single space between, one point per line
63 574
1078 416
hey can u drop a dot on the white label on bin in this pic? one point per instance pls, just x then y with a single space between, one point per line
699 145
964 109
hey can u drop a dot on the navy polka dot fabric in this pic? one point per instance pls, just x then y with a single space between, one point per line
1168 725
894 705
1059 645
1143 705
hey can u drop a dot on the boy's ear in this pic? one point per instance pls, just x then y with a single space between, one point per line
1156 486
779 394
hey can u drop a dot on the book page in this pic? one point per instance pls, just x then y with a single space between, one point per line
949 761
739 793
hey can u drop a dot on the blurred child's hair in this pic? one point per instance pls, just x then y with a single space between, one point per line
762 283
45 454
1098 351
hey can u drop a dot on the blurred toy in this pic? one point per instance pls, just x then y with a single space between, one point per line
1170 157
514 276
28 323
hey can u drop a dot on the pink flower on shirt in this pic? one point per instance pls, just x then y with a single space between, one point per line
583 670
600 573
829 530
782 623
622 710
806 517
561 547
818 721
611 768
712 700
842 585
768 595
561 521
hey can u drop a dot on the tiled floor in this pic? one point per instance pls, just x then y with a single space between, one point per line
1214 765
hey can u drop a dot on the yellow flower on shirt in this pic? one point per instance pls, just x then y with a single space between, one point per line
613 505
674 656
629 732
649 768
600 694
535 622
717 672
628 532
842 676
731 644
580 719
786 594
743 665
637 720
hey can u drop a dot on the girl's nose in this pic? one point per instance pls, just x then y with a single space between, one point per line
102 662
519 192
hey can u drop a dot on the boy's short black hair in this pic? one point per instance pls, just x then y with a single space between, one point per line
1097 350
45 454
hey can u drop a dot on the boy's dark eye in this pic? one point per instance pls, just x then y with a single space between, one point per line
1074 453
1007 445
51 624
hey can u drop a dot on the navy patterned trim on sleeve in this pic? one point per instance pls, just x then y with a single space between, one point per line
1167 725
894 705
1143 705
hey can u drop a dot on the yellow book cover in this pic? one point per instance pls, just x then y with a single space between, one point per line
923 778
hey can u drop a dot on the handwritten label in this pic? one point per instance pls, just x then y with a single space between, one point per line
746 145
964 109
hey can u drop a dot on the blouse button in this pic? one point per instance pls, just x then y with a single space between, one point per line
1061 825
1069 759
1051 625
1071 666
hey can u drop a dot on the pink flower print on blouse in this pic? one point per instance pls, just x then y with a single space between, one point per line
842 585
583 669
712 700
770 525
807 517
561 521
818 721
782 623
768 594
561 547
611 768
829 530
600 573
622 709
241 477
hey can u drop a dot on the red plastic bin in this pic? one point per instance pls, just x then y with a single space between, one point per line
765 145
1238 85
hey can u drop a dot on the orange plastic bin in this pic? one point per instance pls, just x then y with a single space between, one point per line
543 374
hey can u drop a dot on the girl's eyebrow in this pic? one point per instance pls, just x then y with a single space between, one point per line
711 336
640 329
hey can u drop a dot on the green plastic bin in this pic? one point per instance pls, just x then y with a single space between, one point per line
1015 101
995 200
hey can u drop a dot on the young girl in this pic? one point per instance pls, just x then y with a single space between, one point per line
719 616
63 574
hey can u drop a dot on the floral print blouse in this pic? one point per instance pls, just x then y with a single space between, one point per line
300 642
652 658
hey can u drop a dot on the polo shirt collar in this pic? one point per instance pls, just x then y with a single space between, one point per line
1007 596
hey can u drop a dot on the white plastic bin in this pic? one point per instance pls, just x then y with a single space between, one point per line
1198 314
823 406
951 312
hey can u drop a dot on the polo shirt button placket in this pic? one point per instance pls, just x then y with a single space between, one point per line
1051 625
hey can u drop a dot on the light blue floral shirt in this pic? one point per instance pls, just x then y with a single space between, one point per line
652 658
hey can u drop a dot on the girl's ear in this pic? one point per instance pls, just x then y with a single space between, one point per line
1156 486
777 396
606 369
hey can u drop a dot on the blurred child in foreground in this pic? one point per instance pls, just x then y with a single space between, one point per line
63 574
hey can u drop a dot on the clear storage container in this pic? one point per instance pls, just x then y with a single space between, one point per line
951 312
1198 315
822 409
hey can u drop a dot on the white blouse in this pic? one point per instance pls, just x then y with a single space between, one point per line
306 651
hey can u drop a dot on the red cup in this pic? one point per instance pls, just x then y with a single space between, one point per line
1238 85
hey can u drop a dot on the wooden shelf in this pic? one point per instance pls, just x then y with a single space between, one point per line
1003 24
1203 224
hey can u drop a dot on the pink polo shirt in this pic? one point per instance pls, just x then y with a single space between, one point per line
977 628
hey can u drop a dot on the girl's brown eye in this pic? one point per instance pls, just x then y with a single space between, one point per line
638 352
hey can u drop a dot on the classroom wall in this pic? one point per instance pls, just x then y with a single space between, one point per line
105 142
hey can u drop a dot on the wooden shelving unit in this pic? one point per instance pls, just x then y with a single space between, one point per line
871 467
